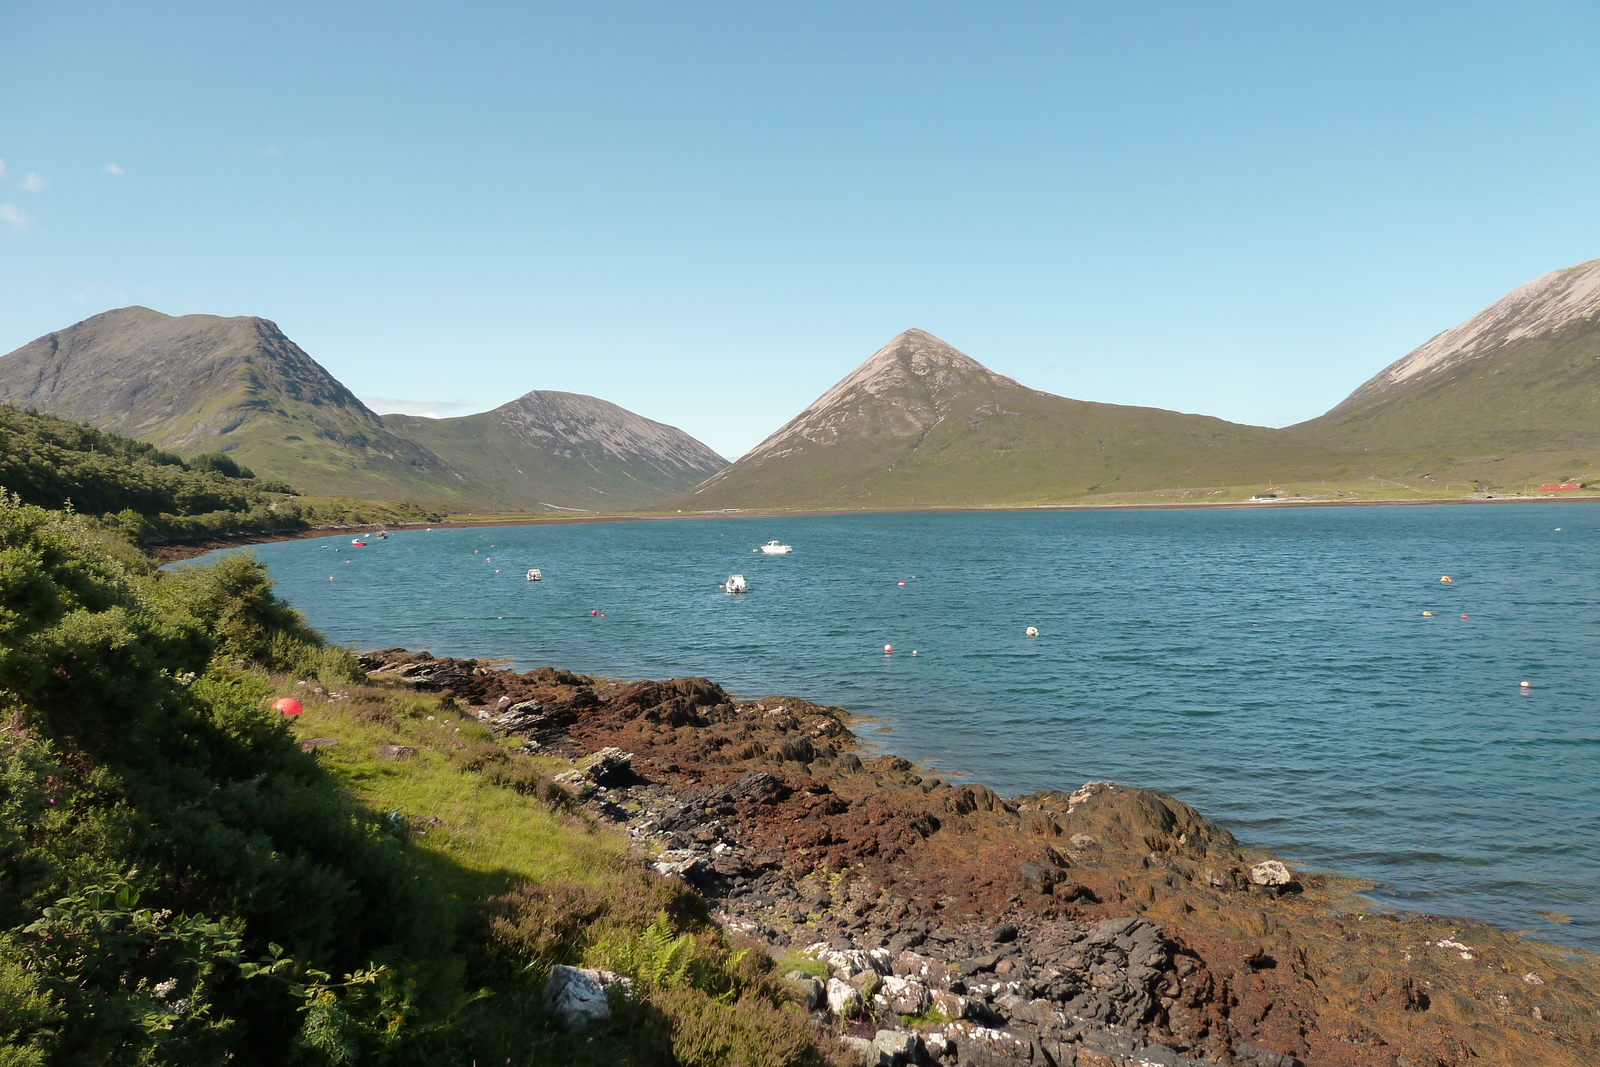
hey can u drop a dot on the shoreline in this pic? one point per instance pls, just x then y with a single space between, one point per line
176 551
805 841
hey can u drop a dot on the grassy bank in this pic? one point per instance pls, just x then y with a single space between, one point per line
182 881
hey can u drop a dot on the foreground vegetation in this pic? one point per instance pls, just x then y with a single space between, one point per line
152 496
181 881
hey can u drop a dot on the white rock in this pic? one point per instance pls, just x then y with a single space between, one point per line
936 1045
1270 872
844 999
950 1005
907 996
577 996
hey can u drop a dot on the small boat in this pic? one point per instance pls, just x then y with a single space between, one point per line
735 584
534 575
776 548
383 535
359 543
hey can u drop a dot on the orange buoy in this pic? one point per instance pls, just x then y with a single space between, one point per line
1526 685
887 649
288 706
1463 616
902 583
596 611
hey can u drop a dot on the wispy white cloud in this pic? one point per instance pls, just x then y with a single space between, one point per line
112 169
33 183
428 409
16 218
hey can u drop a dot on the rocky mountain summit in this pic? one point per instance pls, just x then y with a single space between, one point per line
925 921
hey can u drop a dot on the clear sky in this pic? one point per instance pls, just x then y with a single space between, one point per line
708 213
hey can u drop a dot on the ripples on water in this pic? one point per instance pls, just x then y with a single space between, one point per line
1270 667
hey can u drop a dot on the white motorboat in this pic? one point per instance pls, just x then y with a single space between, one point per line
534 575
735 584
776 548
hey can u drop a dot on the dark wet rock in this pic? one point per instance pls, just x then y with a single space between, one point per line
1246 1054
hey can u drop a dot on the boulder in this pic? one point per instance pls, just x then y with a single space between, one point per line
844 999
905 996
951 1005
860 1049
1270 872
1247 1055
577 996
811 989
981 1046
923 968
897 1048
1041 877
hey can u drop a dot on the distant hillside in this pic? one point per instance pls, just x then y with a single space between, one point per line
564 450
921 424
1523 375
200 383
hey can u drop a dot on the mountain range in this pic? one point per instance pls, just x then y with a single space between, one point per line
198 383
1503 402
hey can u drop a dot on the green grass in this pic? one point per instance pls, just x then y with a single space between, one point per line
489 837
794 961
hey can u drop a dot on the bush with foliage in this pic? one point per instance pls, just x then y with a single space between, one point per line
151 496
181 884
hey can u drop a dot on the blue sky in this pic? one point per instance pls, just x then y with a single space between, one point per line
708 213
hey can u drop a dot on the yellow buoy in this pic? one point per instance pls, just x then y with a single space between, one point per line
1427 614
1445 579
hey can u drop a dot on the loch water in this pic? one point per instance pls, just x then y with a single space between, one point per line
1271 666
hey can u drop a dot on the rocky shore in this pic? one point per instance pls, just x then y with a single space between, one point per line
933 922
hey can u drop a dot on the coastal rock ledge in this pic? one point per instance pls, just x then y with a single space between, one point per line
933 922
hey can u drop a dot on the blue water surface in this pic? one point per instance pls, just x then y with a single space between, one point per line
1271 667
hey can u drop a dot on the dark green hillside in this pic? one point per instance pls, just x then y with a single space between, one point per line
153 495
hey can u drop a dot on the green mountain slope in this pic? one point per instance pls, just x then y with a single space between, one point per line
200 383
564 451
1523 375
920 424
239 386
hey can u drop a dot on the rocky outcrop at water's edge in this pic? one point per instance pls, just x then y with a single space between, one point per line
927 921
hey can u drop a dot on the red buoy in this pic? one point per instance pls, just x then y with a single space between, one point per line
288 706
